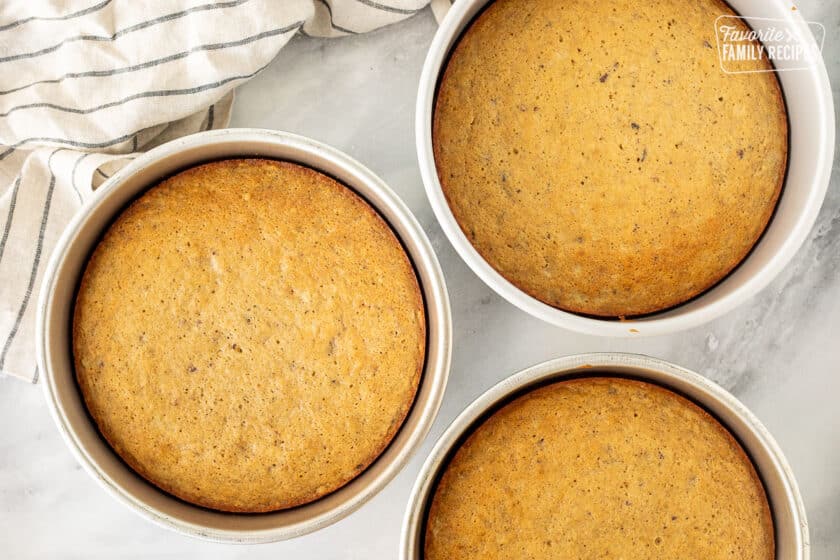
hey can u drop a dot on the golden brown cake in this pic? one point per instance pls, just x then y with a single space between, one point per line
249 335
599 467
596 155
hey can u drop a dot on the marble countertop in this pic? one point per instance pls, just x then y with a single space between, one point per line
779 353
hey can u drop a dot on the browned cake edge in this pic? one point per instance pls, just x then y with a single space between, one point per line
781 116
432 506
208 501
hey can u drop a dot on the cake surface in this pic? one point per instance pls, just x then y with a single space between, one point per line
249 335
596 155
599 468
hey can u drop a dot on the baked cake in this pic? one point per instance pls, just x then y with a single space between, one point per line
596 155
249 335
599 467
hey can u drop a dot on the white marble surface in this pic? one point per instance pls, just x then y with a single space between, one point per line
779 353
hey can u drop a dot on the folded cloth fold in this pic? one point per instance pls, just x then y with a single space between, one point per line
86 87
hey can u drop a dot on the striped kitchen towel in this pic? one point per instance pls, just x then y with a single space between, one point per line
87 85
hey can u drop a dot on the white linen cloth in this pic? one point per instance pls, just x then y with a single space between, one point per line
87 85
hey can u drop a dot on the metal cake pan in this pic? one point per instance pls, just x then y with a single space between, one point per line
810 108
789 519
54 352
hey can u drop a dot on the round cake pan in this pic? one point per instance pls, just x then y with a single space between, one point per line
789 519
810 109
55 358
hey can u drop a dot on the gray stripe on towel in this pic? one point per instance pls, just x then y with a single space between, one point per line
36 261
86 11
127 30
